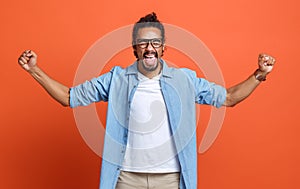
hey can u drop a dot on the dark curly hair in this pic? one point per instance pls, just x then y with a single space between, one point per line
150 20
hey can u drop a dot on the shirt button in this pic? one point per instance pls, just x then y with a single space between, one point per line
123 150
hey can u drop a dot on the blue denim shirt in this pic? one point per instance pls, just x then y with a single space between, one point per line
181 89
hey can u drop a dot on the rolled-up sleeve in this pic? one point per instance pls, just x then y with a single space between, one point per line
207 92
210 93
95 90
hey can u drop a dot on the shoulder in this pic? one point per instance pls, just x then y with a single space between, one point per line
116 70
174 71
188 72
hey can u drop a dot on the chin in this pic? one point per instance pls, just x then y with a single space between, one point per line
149 68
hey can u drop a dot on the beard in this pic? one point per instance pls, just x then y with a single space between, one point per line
150 61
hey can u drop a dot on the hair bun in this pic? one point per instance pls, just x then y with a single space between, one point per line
150 18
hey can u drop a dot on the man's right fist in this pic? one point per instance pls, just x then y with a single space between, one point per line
27 60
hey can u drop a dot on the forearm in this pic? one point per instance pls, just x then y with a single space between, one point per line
241 91
55 89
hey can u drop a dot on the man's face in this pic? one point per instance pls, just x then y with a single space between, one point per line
149 48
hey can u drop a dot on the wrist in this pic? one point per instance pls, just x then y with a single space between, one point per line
33 69
260 75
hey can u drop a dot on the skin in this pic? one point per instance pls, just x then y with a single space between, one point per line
149 71
241 91
60 92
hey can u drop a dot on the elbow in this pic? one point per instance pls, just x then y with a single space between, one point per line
230 105
230 101
65 100
65 104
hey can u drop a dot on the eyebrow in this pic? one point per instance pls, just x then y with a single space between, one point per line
148 39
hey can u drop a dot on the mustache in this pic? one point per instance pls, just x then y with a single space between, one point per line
150 52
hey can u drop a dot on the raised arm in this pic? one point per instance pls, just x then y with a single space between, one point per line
58 91
242 90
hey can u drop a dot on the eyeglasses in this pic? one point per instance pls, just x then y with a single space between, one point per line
143 43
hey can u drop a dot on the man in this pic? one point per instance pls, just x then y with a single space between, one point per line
150 137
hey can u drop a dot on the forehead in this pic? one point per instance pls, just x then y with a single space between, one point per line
148 33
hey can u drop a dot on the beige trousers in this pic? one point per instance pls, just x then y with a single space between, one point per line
130 180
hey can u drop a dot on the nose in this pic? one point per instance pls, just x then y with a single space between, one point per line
149 46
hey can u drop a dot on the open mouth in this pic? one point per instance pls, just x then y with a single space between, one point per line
150 55
150 59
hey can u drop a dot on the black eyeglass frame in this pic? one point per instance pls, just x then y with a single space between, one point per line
155 42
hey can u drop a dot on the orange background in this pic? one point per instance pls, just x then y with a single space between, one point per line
40 146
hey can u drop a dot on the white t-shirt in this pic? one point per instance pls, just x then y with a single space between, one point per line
150 146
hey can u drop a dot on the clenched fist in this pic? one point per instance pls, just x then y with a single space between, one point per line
27 60
266 63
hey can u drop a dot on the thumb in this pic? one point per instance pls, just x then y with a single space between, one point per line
31 54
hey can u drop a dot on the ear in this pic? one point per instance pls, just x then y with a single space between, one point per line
135 54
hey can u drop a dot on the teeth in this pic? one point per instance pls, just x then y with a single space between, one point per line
149 57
